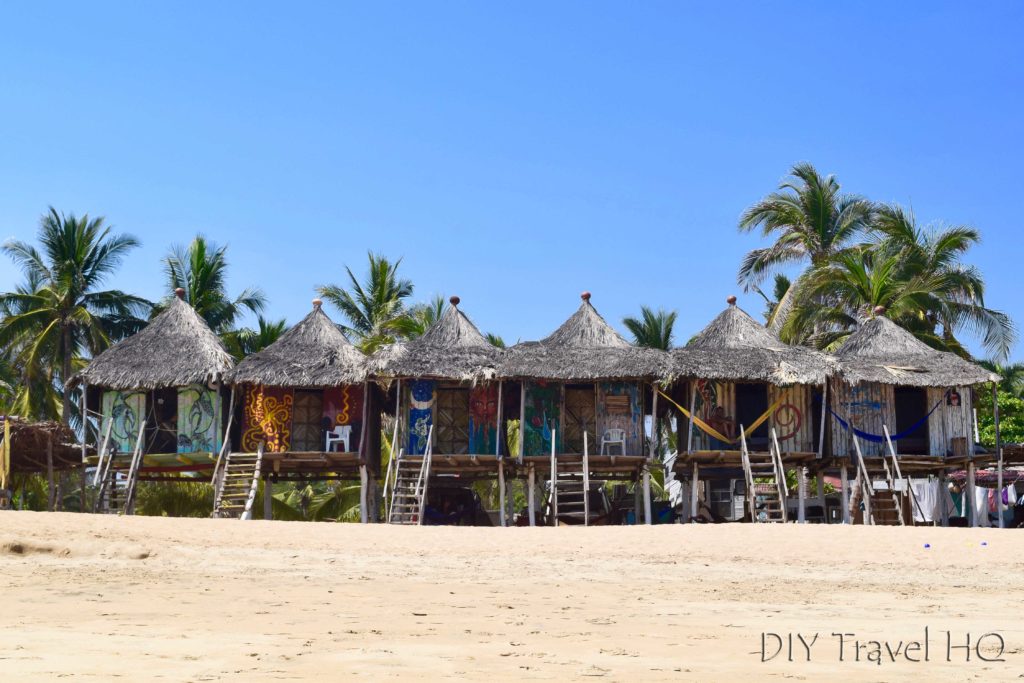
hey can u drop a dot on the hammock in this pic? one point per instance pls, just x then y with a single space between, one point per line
880 438
711 431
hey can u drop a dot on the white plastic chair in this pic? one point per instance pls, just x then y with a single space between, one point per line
612 437
338 435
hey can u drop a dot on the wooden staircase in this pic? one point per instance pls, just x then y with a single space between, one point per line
766 486
409 486
236 484
569 487
882 505
116 486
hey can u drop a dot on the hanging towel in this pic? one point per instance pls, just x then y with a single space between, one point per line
926 497
981 506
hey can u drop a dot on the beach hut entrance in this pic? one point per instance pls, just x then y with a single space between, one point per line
580 417
751 402
307 416
451 421
911 405
165 411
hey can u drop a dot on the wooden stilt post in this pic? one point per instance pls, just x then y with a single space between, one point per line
85 438
694 491
821 426
637 498
969 495
647 495
844 483
268 497
364 480
49 472
693 404
501 491
801 493
999 454
651 454
531 483
819 482
499 425
522 422
943 496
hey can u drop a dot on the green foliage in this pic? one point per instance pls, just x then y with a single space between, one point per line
653 329
247 341
185 498
1011 420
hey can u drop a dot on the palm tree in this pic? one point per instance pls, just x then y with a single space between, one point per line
372 306
810 220
495 340
63 314
780 288
418 318
201 270
916 275
1012 383
247 341
653 329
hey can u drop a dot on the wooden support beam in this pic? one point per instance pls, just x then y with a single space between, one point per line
49 472
801 493
999 454
364 513
268 495
501 492
969 495
844 483
694 492
531 484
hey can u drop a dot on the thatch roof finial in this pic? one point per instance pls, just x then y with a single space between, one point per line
879 310
180 293
454 301
317 303
585 296
731 300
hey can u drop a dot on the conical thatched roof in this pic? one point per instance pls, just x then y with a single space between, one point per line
736 347
584 348
882 351
175 349
314 353
451 349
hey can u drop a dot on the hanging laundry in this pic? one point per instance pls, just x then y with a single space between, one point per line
980 507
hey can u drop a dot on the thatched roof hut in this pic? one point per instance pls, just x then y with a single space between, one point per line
736 347
175 349
30 442
584 348
452 349
882 351
312 354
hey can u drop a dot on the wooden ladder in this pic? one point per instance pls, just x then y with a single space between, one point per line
569 487
881 506
237 485
116 495
766 469
409 490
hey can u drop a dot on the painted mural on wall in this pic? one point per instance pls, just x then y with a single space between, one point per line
123 411
421 414
483 419
713 404
267 417
198 423
344 406
618 407
542 414
788 417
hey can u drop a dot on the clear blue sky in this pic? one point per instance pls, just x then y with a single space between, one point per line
513 153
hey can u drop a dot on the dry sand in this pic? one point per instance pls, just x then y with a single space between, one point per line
94 598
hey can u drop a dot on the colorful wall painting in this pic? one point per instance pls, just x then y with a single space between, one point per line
714 403
618 407
421 414
344 406
543 415
125 410
267 417
483 419
198 423
792 419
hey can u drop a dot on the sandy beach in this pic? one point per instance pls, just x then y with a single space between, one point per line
96 598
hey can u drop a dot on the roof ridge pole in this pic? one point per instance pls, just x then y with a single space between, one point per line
999 453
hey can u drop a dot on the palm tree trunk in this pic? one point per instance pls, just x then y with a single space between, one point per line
66 375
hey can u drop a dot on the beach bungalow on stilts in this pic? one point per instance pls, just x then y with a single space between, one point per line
899 407
160 405
582 410
45 448
448 428
748 410
303 414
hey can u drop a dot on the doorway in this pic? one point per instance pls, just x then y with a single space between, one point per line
751 403
911 405
307 421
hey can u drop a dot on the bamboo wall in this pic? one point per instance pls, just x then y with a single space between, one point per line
949 422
